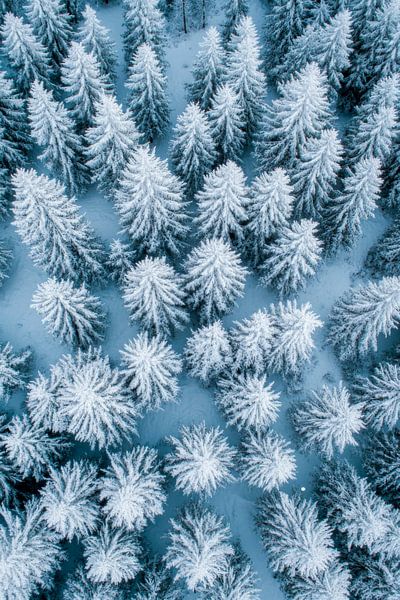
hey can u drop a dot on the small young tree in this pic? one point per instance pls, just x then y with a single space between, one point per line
69 500
27 56
208 352
14 136
382 464
121 259
60 240
297 541
215 278
144 24
247 401
239 582
53 129
151 370
315 172
13 369
380 393
132 489
156 583
51 25
327 421
201 460
69 313
251 342
222 204
226 119
360 316
154 296
199 547
284 23
110 142
332 584
269 209
150 203
266 461
234 11
208 70
96 39
293 257
193 152
5 258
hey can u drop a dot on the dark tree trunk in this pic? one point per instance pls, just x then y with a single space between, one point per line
184 16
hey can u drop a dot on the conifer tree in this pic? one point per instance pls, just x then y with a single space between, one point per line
215 279
8 480
226 122
248 402
269 209
382 464
199 548
374 137
110 141
153 294
317 13
360 316
79 587
132 489
14 136
222 204
208 352
380 394
284 23
327 421
13 369
234 11
332 584
27 56
377 578
363 12
151 370
121 259
150 203
297 541
96 40
266 460
4 192
315 172
60 240
5 258
355 202
148 101
251 342
51 25
208 70
69 313
144 24
302 112
193 152
69 502
53 129
292 257
155 582
244 75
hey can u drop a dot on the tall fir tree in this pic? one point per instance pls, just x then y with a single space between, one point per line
382 464
384 256
226 122
234 11
14 367
51 24
144 24
284 23
251 342
208 70
374 137
96 40
208 352
380 393
14 137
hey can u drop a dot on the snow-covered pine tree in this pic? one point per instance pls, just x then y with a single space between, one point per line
199 548
292 257
361 315
51 25
269 209
234 11
93 401
29 553
201 460
380 393
60 239
131 489
4 190
193 151
226 119
153 294
14 131
297 541
314 174
317 13
79 587
374 137
156 583
382 464
301 113
83 83
293 343
239 582
96 40
112 556
144 24
215 278
363 13
222 204
27 56
377 578
110 141
53 129
30 449
148 102
244 75
207 352
355 202
327 421
42 399
13 369
247 401
151 369
150 203
332 584
69 499
121 259
251 342
5 258
208 69
266 460
8 478
284 23
70 313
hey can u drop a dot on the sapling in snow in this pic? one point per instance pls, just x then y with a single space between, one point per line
251 341
208 352
208 70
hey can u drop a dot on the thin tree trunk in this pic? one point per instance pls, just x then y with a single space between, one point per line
203 10
184 16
